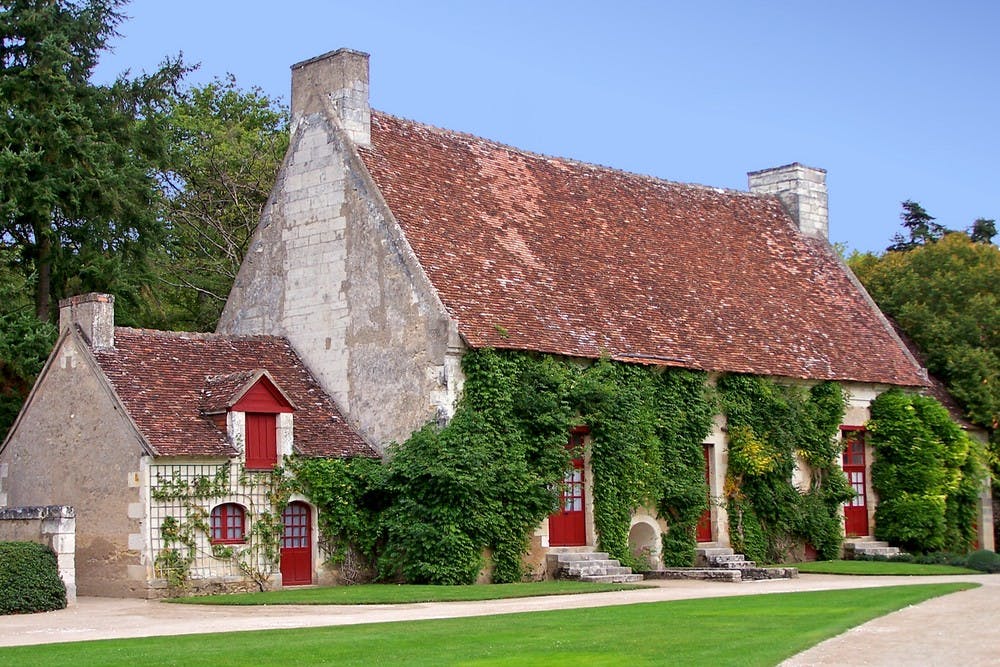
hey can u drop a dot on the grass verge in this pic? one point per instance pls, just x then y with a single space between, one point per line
749 630
884 568
396 594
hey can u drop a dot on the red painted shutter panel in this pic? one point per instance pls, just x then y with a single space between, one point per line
262 441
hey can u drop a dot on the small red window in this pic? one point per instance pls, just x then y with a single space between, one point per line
227 523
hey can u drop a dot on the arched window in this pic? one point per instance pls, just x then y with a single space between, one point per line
228 523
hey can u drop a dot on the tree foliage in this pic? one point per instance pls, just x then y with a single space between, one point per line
920 226
927 473
226 145
946 297
78 196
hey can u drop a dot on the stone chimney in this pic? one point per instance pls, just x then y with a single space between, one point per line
337 81
802 190
94 314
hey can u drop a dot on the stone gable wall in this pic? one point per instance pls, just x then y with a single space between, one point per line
73 446
329 269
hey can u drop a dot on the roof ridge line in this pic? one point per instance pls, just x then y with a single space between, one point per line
567 160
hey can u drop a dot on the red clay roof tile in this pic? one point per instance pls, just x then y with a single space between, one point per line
161 378
547 254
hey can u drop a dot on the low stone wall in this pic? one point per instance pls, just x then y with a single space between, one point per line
51 525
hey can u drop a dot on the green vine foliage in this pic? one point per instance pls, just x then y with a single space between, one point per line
927 472
768 425
647 426
349 495
486 480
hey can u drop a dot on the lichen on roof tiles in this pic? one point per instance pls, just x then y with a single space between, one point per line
581 260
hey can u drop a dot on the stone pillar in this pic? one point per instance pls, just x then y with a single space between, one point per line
59 529
337 80
51 525
802 190
94 314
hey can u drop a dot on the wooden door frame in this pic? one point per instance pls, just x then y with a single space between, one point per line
577 435
310 539
865 469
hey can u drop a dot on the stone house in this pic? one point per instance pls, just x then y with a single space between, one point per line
148 434
387 250
390 247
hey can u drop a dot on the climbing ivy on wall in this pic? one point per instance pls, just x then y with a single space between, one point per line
349 495
927 472
647 426
185 525
488 478
768 425
484 481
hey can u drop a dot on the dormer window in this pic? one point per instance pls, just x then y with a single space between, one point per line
261 440
256 413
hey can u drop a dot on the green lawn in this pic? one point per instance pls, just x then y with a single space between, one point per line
395 594
750 630
872 567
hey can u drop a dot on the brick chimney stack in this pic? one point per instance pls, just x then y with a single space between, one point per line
802 190
94 314
335 83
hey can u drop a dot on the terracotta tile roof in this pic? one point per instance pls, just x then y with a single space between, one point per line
547 254
161 378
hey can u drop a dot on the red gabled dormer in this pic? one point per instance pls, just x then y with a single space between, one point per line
252 408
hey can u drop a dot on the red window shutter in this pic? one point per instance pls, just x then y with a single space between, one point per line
262 441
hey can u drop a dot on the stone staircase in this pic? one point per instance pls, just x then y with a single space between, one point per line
869 547
715 563
594 566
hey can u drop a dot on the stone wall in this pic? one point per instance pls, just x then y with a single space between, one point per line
330 269
51 525
73 446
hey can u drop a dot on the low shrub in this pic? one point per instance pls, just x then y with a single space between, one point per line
29 579
984 561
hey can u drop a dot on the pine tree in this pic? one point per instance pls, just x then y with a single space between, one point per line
79 200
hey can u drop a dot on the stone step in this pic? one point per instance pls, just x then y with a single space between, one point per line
610 567
613 578
734 565
699 573
713 551
724 575
575 556
869 548
865 544
726 558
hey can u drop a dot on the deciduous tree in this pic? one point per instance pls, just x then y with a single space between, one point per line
226 145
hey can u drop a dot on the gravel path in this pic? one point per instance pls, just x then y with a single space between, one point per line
958 629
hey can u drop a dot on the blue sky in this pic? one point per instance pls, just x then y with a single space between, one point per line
896 100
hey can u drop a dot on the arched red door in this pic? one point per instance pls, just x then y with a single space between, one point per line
296 545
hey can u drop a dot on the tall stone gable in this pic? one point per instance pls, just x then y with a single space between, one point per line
330 269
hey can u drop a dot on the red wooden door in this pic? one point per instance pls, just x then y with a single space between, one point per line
296 545
704 533
568 527
856 509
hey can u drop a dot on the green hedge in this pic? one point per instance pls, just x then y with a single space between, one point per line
927 472
29 579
